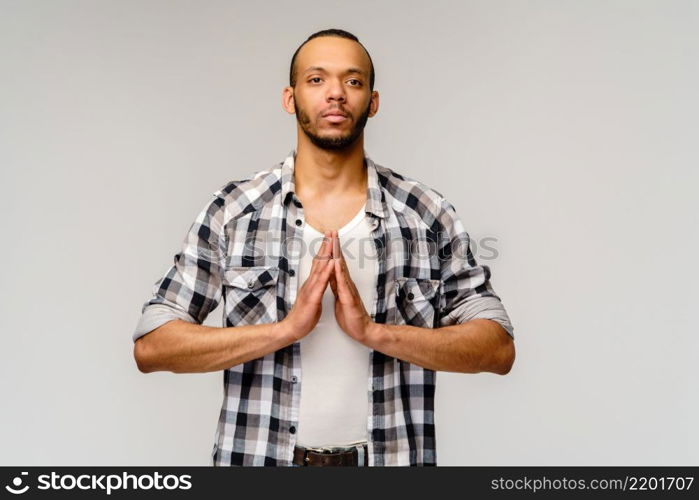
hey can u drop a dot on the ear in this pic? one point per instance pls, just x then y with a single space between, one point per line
288 100
374 105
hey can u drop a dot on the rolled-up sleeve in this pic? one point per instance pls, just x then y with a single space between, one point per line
191 288
466 292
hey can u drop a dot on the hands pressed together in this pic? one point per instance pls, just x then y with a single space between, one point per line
471 347
329 267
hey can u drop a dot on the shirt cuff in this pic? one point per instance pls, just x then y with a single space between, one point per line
480 308
156 315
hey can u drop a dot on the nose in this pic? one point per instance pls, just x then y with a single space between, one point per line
336 92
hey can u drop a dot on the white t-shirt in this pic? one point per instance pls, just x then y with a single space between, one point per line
335 367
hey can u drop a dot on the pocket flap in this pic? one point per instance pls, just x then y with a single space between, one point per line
250 278
414 289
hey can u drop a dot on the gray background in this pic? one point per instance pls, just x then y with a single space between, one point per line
566 132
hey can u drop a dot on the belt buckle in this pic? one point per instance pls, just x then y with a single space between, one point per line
321 450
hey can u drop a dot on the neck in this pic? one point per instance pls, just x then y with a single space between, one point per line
320 173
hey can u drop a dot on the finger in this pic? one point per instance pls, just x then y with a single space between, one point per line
319 285
324 250
325 262
337 249
328 271
333 279
340 256
343 288
333 275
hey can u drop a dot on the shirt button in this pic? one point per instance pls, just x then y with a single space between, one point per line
294 379
298 222
292 429
411 296
251 284
292 272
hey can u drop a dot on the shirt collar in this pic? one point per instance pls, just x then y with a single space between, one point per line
375 204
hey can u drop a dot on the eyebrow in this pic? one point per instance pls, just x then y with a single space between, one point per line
323 70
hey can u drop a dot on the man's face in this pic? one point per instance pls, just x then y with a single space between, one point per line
332 96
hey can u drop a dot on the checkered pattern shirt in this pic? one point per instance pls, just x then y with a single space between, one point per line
237 250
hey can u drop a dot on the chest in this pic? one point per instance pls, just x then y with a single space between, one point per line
261 279
329 214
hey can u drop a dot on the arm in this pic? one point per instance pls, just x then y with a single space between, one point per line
170 336
182 347
472 346
479 345
475 334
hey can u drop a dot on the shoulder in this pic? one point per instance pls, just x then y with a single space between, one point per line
241 196
412 197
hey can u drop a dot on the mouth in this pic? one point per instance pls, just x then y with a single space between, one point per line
335 118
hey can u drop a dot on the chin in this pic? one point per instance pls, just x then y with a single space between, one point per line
336 137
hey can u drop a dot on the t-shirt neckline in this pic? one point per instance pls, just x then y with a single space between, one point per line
347 227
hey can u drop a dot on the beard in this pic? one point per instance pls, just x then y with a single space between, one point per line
335 143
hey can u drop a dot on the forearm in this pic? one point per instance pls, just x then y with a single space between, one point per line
479 345
182 347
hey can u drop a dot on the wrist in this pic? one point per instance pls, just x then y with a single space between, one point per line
285 330
376 334
281 330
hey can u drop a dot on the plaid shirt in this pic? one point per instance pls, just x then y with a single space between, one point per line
237 249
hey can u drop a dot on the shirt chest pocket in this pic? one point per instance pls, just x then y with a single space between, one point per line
416 302
250 295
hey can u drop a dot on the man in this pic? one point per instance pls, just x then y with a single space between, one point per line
328 353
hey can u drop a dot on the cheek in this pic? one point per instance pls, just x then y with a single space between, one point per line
301 111
309 102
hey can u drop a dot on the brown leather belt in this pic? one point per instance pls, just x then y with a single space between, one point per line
324 457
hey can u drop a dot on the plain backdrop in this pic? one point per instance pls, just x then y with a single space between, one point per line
564 133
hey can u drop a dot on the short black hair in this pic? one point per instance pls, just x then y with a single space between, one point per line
331 32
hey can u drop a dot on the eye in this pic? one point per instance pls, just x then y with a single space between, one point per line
314 78
355 82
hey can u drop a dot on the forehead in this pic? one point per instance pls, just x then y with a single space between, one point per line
333 54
